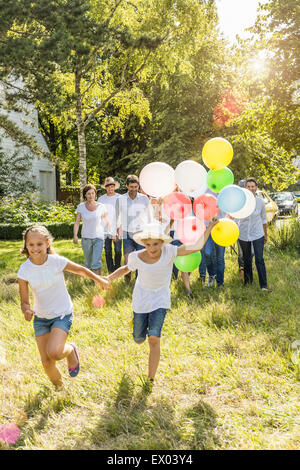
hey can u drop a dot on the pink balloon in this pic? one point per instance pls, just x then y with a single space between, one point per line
177 205
190 229
98 301
9 433
205 206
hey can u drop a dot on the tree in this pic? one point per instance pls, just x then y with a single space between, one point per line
13 171
96 52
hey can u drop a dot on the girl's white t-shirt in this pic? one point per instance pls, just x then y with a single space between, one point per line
51 298
152 287
92 221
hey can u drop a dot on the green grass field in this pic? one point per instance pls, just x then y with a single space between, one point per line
227 377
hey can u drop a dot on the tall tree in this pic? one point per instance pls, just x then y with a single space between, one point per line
80 55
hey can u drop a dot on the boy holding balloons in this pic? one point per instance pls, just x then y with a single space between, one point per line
151 294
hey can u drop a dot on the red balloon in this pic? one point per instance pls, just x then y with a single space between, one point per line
190 229
177 205
205 206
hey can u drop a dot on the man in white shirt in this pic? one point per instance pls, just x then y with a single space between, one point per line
253 230
133 211
109 200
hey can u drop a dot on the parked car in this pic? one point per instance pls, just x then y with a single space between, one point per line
286 202
271 206
297 195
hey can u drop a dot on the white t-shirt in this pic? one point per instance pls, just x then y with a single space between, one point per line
51 298
110 204
152 287
91 221
133 214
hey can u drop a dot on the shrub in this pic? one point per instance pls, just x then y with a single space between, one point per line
32 208
57 229
286 237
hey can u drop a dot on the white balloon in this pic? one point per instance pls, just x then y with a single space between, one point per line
248 207
157 179
191 178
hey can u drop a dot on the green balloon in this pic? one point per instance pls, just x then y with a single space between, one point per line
218 179
188 263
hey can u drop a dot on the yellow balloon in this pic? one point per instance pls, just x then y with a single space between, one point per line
217 153
225 233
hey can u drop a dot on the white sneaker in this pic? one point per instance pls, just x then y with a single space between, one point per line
211 281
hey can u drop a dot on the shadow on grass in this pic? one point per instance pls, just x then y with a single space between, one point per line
130 422
204 419
39 408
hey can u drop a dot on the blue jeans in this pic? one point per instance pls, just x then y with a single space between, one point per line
112 264
148 324
202 266
214 259
258 246
176 243
92 250
130 245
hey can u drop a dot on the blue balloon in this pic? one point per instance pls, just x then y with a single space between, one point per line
231 198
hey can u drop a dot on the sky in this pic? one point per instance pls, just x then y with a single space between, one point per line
236 15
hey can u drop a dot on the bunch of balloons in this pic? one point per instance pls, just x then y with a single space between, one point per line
191 180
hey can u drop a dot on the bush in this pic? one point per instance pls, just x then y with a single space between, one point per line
57 230
32 208
286 237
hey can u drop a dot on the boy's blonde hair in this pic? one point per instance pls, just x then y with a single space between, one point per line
42 231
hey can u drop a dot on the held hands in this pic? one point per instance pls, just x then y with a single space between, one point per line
213 222
103 282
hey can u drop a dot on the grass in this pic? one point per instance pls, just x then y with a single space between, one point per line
226 379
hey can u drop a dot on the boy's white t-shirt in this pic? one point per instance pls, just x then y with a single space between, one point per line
51 298
152 287
91 221
110 204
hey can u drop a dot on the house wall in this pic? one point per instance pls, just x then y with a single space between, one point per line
42 172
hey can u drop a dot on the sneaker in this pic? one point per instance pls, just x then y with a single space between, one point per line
202 280
267 289
211 281
189 294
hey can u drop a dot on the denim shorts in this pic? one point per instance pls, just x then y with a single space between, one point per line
148 324
44 325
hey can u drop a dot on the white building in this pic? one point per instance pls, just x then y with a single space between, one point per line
42 172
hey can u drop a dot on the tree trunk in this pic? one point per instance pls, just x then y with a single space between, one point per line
80 134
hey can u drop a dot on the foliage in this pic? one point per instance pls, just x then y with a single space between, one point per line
31 208
287 237
57 230
101 54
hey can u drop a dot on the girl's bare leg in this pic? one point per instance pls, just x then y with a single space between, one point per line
186 281
154 355
53 348
48 363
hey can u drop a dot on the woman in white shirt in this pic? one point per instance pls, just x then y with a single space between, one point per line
91 213
253 231
151 294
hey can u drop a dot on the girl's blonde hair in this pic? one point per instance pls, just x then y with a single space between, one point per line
42 231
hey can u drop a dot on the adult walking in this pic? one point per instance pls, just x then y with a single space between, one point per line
92 213
213 257
109 200
133 211
253 230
